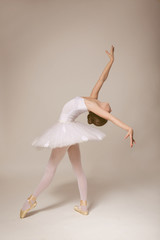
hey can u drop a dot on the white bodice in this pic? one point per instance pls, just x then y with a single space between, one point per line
72 109
67 131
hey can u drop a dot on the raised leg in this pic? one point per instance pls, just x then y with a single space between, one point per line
55 157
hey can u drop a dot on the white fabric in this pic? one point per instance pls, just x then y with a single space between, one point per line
67 131
75 159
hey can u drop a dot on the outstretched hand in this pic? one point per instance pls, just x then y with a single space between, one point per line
111 54
130 133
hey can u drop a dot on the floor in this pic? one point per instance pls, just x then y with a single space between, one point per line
118 210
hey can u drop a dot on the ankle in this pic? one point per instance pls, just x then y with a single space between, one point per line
83 202
31 199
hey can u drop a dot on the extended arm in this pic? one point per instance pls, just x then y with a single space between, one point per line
104 75
94 107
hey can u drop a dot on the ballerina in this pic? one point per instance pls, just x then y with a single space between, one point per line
65 136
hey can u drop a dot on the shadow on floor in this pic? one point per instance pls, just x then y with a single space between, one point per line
98 189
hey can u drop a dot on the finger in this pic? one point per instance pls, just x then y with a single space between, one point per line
112 50
126 136
131 140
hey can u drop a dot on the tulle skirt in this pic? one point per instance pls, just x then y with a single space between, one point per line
67 133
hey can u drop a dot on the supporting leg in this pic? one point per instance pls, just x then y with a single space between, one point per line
75 159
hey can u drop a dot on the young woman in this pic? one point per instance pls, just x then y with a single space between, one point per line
65 136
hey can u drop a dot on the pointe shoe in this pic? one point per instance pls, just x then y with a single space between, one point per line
82 203
32 205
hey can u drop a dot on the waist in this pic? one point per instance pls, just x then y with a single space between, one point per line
65 121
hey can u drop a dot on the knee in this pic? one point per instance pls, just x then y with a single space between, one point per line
50 171
79 171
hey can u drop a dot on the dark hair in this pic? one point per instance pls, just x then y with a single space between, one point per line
96 119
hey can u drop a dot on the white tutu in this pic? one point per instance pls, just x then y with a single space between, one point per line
63 134
67 131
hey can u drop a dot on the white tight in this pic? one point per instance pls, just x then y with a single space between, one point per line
56 156
75 159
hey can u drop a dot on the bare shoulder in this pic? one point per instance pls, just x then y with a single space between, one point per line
91 102
93 105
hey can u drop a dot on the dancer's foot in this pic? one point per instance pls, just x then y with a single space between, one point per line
28 205
82 208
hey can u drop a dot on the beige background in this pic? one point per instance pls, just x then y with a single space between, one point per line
52 51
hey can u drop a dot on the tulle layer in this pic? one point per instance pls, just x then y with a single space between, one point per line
68 133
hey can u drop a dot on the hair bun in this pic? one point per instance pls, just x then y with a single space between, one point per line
96 119
90 119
